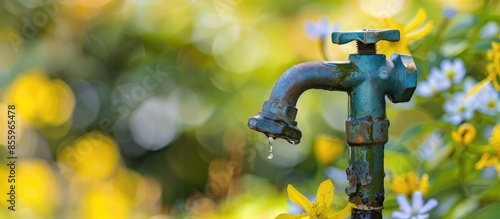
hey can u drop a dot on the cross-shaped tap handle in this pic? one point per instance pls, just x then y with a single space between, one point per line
365 39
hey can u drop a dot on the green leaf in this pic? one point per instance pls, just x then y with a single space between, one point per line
482 45
418 131
465 207
397 162
454 47
444 178
412 133
488 212
463 25
493 193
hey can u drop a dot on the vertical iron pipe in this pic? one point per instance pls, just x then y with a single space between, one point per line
365 172
366 134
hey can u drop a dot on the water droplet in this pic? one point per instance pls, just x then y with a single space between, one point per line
270 155
270 148
294 142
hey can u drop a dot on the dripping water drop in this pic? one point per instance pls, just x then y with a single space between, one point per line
270 148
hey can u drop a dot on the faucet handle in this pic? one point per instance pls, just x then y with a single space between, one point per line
365 36
366 39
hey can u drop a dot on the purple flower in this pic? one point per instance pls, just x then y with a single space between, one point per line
449 12
321 30
489 172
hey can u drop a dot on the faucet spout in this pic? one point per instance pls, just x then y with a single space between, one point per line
277 118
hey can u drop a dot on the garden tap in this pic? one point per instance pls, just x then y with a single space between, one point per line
367 77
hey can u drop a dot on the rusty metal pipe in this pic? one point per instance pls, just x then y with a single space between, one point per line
277 118
312 75
365 172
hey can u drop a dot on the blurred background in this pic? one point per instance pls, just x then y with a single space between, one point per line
139 109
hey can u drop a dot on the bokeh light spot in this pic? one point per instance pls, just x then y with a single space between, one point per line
87 103
153 124
93 156
244 54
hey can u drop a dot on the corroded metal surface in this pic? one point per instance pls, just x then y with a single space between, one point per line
367 129
365 36
366 176
367 78
366 214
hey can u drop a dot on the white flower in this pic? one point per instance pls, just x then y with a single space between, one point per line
417 210
436 81
459 108
469 84
453 70
488 100
432 148
442 79
490 29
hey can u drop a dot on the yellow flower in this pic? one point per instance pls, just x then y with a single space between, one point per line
493 57
319 209
492 69
37 188
463 5
40 100
410 183
92 157
86 10
413 31
465 134
327 149
106 201
488 159
495 138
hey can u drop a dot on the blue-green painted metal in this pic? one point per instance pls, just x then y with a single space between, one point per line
365 36
367 77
